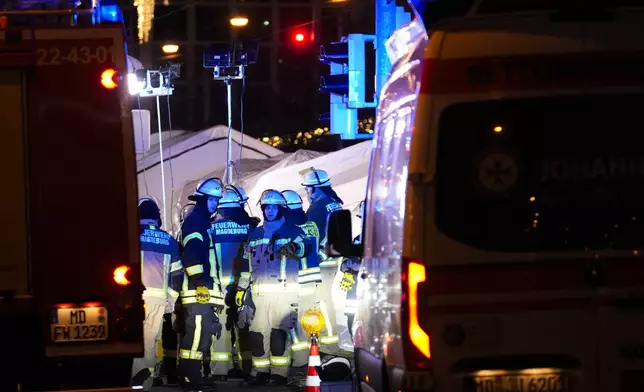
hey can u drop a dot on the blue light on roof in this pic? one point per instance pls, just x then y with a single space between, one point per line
111 13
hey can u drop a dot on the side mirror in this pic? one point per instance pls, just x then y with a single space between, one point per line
339 240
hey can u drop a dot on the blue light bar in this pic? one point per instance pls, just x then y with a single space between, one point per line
110 13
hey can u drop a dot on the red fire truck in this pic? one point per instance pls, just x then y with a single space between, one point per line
70 289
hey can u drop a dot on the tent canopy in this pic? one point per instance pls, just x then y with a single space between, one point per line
348 169
194 155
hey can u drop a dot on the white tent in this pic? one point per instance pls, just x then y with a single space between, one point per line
194 156
348 169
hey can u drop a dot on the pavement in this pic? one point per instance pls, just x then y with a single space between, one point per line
234 386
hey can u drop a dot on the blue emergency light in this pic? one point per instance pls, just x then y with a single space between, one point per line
109 12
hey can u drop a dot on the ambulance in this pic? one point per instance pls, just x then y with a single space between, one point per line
503 231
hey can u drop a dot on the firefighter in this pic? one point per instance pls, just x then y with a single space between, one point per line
169 337
309 277
274 250
159 256
324 201
200 295
230 230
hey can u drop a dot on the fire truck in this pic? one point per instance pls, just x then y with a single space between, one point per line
70 283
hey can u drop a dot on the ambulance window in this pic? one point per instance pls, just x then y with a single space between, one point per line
557 173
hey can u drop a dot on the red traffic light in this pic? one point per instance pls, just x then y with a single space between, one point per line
301 37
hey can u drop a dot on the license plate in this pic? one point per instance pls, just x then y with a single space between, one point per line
79 324
513 382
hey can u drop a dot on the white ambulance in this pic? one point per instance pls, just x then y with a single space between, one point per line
504 221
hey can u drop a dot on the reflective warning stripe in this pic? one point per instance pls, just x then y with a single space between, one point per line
196 339
329 339
329 263
176 266
192 293
300 346
172 293
156 293
191 354
261 363
194 270
280 361
192 236
221 356
309 275
193 300
308 271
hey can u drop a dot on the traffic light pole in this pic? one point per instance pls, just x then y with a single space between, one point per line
385 27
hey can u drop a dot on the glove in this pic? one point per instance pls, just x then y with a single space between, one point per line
255 220
245 316
289 250
216 326
239 298
348 280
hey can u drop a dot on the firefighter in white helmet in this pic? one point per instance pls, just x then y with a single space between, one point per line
274 251
201 296
309 277
230 230
324 201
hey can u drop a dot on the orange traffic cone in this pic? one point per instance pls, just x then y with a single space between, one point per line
312 377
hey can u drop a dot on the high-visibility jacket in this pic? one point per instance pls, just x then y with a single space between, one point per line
196 258
267 266
159 257
318 213
230 231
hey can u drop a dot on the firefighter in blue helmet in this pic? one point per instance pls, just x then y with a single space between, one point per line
169 337
274 250
309 276
324 201
200 295
230 230
159 256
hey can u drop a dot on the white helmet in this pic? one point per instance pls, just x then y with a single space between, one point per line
315 178
293 200
230 199
241 193
208 187
272 197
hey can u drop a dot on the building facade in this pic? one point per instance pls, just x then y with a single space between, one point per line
280 94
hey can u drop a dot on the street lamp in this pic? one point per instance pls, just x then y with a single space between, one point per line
238 21
170 48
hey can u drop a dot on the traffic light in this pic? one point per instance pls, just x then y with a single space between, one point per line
301 37
346 83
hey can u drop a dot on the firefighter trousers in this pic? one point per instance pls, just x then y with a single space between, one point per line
329 336
271 329
199 321
308 298
152 328
221 350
